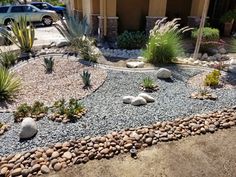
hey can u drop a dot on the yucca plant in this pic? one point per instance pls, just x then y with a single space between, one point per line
86 77
7 58
48 64
9 85
164 43
23 34
148 83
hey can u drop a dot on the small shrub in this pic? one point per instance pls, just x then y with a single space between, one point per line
48 64
131 40
86 77
7 59
210 38
228 16
9 85
148 83
24 110
164 43
213 78
38 108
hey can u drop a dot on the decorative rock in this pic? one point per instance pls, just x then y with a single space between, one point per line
135 64
105 151
128 146
55 154
16 172
57 166
148 141
67 155
45 169
163 73
232 68
138 101
147 97
217 56
49 152
204 56
28 128
128 99
232 61
3 171
35 168
222 50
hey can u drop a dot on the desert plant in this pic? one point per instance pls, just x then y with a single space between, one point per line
164 43
75 30
148 83
9 85
38 108
23 34
131 40
86 77
213 78
7 59
48 64
24 110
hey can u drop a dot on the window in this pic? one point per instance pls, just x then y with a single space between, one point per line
4 9
45 6
38 6
28 9
16 9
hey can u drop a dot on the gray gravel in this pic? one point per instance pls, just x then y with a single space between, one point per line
107 112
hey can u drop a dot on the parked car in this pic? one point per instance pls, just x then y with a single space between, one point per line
46 6
32 13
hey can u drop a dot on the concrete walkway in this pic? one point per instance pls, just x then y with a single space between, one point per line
201 156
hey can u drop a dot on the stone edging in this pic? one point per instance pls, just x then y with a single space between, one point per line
63 155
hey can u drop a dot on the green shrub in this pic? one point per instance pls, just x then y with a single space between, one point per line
148 83
9 85
86 77
164 43
213 78
7 59
48 64
228 16
210 38
131 40
24 110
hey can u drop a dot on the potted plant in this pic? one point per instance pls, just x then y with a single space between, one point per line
228 20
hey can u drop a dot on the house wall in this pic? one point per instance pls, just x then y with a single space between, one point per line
131 18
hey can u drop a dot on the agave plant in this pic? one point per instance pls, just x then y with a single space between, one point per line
48 64
7 59
9 85
23 34
86 77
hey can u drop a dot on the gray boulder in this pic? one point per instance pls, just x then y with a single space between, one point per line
164 73
28 128
135 64
128 99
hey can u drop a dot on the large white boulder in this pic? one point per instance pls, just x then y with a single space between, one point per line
28 128
135 64
147 97
128 99
163 73
232 61
138 101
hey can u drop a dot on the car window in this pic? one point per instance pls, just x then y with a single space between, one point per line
45 6
16 9
4 9
28 9
38 6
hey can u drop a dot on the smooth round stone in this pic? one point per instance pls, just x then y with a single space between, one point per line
45 169
57 166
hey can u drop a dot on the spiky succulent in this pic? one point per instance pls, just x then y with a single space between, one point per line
48 64
86 77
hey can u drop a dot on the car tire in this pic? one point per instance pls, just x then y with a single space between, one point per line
8 21
47 21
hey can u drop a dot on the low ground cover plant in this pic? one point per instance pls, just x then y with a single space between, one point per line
38 110
213 78
164 43
148 82
132 40
8 58
9 85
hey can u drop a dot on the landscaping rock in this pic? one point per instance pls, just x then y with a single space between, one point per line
222 50
128 99
135 64
57 166
204 56
138 101
164 73
45 169
147 97
62 44
16 172
28 128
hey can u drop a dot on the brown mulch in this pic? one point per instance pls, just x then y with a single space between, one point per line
65 82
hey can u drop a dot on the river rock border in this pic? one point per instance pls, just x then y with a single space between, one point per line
62 155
